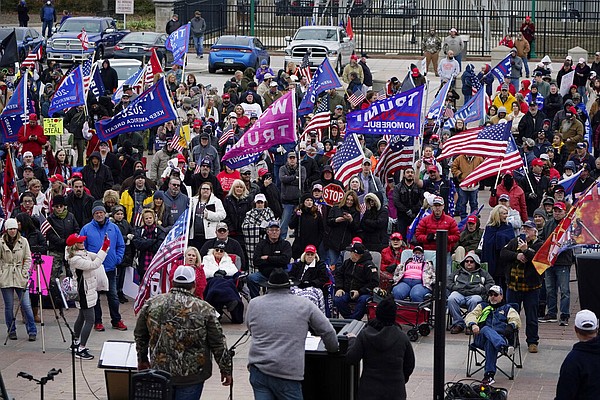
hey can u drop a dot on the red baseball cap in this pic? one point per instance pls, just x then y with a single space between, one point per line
356 240
396 235
197 123
75 238
56 178
431 168
33 117
262 172
560 205
472 219
181 158
310 249
537 162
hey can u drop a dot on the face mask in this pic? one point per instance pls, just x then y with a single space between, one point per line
302 153
450 58
418 257
508 181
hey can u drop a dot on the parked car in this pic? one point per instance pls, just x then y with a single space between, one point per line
125 67
138 45
307 8
27 39
400 8
236 52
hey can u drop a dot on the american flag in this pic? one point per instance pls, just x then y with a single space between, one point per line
44 225
511 161
381 95
169 251
321 120
10 196
138 218
305 66
356 98
197 169
33 56
482 141
152 68
48 199
176 142
397 155
348 159
83 38
86 73
227 134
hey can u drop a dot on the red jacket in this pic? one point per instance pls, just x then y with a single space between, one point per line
430 224
200 278
34 146
517 199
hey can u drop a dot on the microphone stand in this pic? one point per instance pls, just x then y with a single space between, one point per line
231 352
42 381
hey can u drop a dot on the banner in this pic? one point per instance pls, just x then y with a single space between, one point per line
276 125
323 79
96 84
16 103
396 115
178 43
133 81
9 128
53 126
473 111
151 108
566 82
435 110
69 93
502 69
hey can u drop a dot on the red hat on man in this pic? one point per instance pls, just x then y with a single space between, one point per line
396 235
181 158
262 172
560 205
32 117
538 162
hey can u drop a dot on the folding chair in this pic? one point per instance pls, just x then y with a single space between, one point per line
463 311
476 357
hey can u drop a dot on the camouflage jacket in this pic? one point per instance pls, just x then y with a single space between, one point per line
181 331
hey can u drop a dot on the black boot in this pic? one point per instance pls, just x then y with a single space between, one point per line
122 298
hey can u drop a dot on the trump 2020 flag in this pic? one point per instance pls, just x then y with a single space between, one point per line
151 108
133 80
435 110
396 115
96 84
473 111
502 69
16 103
323 79
178 43
276 125
69 93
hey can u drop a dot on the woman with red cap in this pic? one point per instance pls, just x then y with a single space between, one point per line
309 276
89 274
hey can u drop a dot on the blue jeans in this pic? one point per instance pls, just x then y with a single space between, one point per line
113 300
581 91
558 277
38 160
410 287
455 301
47 26
515 82
491 342
188 392
254 282
342 303
526 65
464 197
458 58
529 302
8 294
198 44
286 217
267 387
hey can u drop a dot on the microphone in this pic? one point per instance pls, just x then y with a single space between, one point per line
25 375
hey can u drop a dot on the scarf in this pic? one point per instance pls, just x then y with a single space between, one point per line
62 214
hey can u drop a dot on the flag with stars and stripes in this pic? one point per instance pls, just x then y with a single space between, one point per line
450 199
397 155
86 72
348 159
228 133
44 225
356 98
83 38
152 68
138 219
305 66
502 69
156 278
321 120
33 56
510 161
178 142
482 141
381 95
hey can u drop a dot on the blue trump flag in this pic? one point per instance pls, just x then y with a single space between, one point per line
133 80
435 110
9 127
151 108
69 93
178 43
16 103
396 115
473 111
502 69
324 79
96 84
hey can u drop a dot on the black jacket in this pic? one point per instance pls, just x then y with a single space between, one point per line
62 228
361 275
341 233
143 243
37 242
81 208
97 181
508 255
367 75
529 125
126 229
539 188
236 210
279 254
273 196
408 198
110 79
578 377
309 230
315 276
373 227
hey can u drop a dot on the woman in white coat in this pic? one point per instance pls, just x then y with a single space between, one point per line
206 212
87 269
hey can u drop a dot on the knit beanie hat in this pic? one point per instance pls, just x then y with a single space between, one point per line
386 311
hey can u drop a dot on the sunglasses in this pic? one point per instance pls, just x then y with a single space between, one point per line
219 250
221 230
469 262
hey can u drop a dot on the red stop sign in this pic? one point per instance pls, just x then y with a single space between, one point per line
332 194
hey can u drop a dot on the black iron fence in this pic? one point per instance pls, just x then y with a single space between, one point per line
399 27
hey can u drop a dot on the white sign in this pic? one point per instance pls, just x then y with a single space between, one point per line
124 7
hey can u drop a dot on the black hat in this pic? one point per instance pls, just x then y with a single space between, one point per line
219 244
58 200
278 279
27 167
137 173
386 311
357 248
304 197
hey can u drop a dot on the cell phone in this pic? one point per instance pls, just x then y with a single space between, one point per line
522 236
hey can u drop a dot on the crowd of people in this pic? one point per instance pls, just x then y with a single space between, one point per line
112 203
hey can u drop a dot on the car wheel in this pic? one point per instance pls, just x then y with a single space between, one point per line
211 69
339 67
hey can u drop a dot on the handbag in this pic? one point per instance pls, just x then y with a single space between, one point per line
69 286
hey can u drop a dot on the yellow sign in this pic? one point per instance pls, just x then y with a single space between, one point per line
53 126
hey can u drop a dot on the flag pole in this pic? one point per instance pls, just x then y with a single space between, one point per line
499 172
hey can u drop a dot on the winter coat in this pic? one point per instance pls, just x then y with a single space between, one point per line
360 276
160 161
531 278
61 229
494 239
470 283
540 187
198 26
430 224
84 266
463 165
498 318
279 255
128 201
388 361
97 181
126 229
144 244
216 214
341 233
517 199
529 125
254 231
374 224
95 237
578 377
210 265
316 275
309 229
408 198
37 242
469 240
522 46
236 210
14 264
291 183
81 208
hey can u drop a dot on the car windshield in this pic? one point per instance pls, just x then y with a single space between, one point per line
317 34
4 32
75 25
140 37
125 71
232 41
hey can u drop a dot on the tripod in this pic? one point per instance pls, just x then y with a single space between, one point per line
231 352
73 342
42 381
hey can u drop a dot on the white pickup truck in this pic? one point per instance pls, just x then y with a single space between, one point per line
320 41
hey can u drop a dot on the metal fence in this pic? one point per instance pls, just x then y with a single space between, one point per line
398 26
